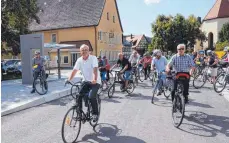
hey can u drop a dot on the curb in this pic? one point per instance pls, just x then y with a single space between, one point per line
37 101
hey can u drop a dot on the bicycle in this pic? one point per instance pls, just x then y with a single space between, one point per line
178 103
40 81
202 77
149 74
129 89
76 114
166 86
222 80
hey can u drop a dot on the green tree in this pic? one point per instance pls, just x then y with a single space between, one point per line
16 16
170 31
224 33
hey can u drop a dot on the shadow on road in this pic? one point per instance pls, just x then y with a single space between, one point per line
192 103
107 133
162 102
212 124
138 96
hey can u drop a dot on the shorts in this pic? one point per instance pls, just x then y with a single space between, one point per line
127 75
103 75
213 71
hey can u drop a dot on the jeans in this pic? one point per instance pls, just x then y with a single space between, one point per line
186 88
93 99
146 69
108 75
36 74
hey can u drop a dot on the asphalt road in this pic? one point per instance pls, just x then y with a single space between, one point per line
127 119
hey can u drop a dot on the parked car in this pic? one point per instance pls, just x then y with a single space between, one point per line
7 64
15 68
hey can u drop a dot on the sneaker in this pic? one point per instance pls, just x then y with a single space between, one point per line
33 91
158 93
94 118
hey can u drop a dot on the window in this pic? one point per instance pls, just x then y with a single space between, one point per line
65 59
100 35
108 16
53 38
113 19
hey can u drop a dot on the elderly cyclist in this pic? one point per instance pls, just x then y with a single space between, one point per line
182 63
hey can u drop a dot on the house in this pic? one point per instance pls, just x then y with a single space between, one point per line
93 22
139 42
213 22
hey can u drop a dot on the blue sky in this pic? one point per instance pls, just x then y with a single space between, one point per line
137 15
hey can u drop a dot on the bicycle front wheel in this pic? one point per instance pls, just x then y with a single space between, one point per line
141 75
41 86
154 92
111 91
220 83
199 81
130 87
178 109
75 91
71 125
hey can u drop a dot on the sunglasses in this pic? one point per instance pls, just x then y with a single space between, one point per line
180 49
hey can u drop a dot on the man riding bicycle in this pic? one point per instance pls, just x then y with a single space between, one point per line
126 69
39 62
88 65
159 62
134 57
103 72
182 63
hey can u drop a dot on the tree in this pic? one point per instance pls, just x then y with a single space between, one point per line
170 31
224 33
16 16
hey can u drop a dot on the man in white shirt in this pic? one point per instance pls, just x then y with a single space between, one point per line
134 57
88 65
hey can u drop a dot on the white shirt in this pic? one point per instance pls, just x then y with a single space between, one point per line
87 66
133 59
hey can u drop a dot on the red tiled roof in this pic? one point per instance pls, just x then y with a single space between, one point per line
219 10
135 38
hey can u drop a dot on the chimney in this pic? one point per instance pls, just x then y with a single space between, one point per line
199 19
131 36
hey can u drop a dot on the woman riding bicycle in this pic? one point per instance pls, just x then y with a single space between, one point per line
146 61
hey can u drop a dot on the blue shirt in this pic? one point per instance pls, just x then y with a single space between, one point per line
160 64
181 63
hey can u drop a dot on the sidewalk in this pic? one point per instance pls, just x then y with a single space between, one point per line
15 96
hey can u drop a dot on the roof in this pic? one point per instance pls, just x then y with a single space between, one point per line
62 14
135 39
149 39
219 10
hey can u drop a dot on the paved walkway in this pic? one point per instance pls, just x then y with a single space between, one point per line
15 96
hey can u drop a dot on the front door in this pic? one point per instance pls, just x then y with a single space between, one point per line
74 59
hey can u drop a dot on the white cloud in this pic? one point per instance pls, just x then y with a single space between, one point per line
148 2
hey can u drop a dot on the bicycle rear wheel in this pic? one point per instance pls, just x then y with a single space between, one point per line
130 87
94 123
199 81
220 83
111 91
72 120
41 86
178 109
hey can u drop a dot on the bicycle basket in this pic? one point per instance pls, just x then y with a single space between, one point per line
182 76
85 88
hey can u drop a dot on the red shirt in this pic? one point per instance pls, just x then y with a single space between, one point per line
146 61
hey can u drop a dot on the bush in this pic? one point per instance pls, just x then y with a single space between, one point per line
221 45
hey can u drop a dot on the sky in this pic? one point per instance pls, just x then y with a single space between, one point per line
138 15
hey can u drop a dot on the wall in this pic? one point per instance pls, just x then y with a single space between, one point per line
222 21
72 34
210 26
109 46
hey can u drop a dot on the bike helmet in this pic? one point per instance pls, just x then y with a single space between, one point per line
157 53
226 49
209 52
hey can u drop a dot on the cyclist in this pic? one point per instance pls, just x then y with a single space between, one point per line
39 62
108 66
181 62
212 61
102 69
146 61
88 65
126 69
134 58
159 62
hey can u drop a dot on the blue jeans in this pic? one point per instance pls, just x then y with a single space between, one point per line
127 75
161 82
